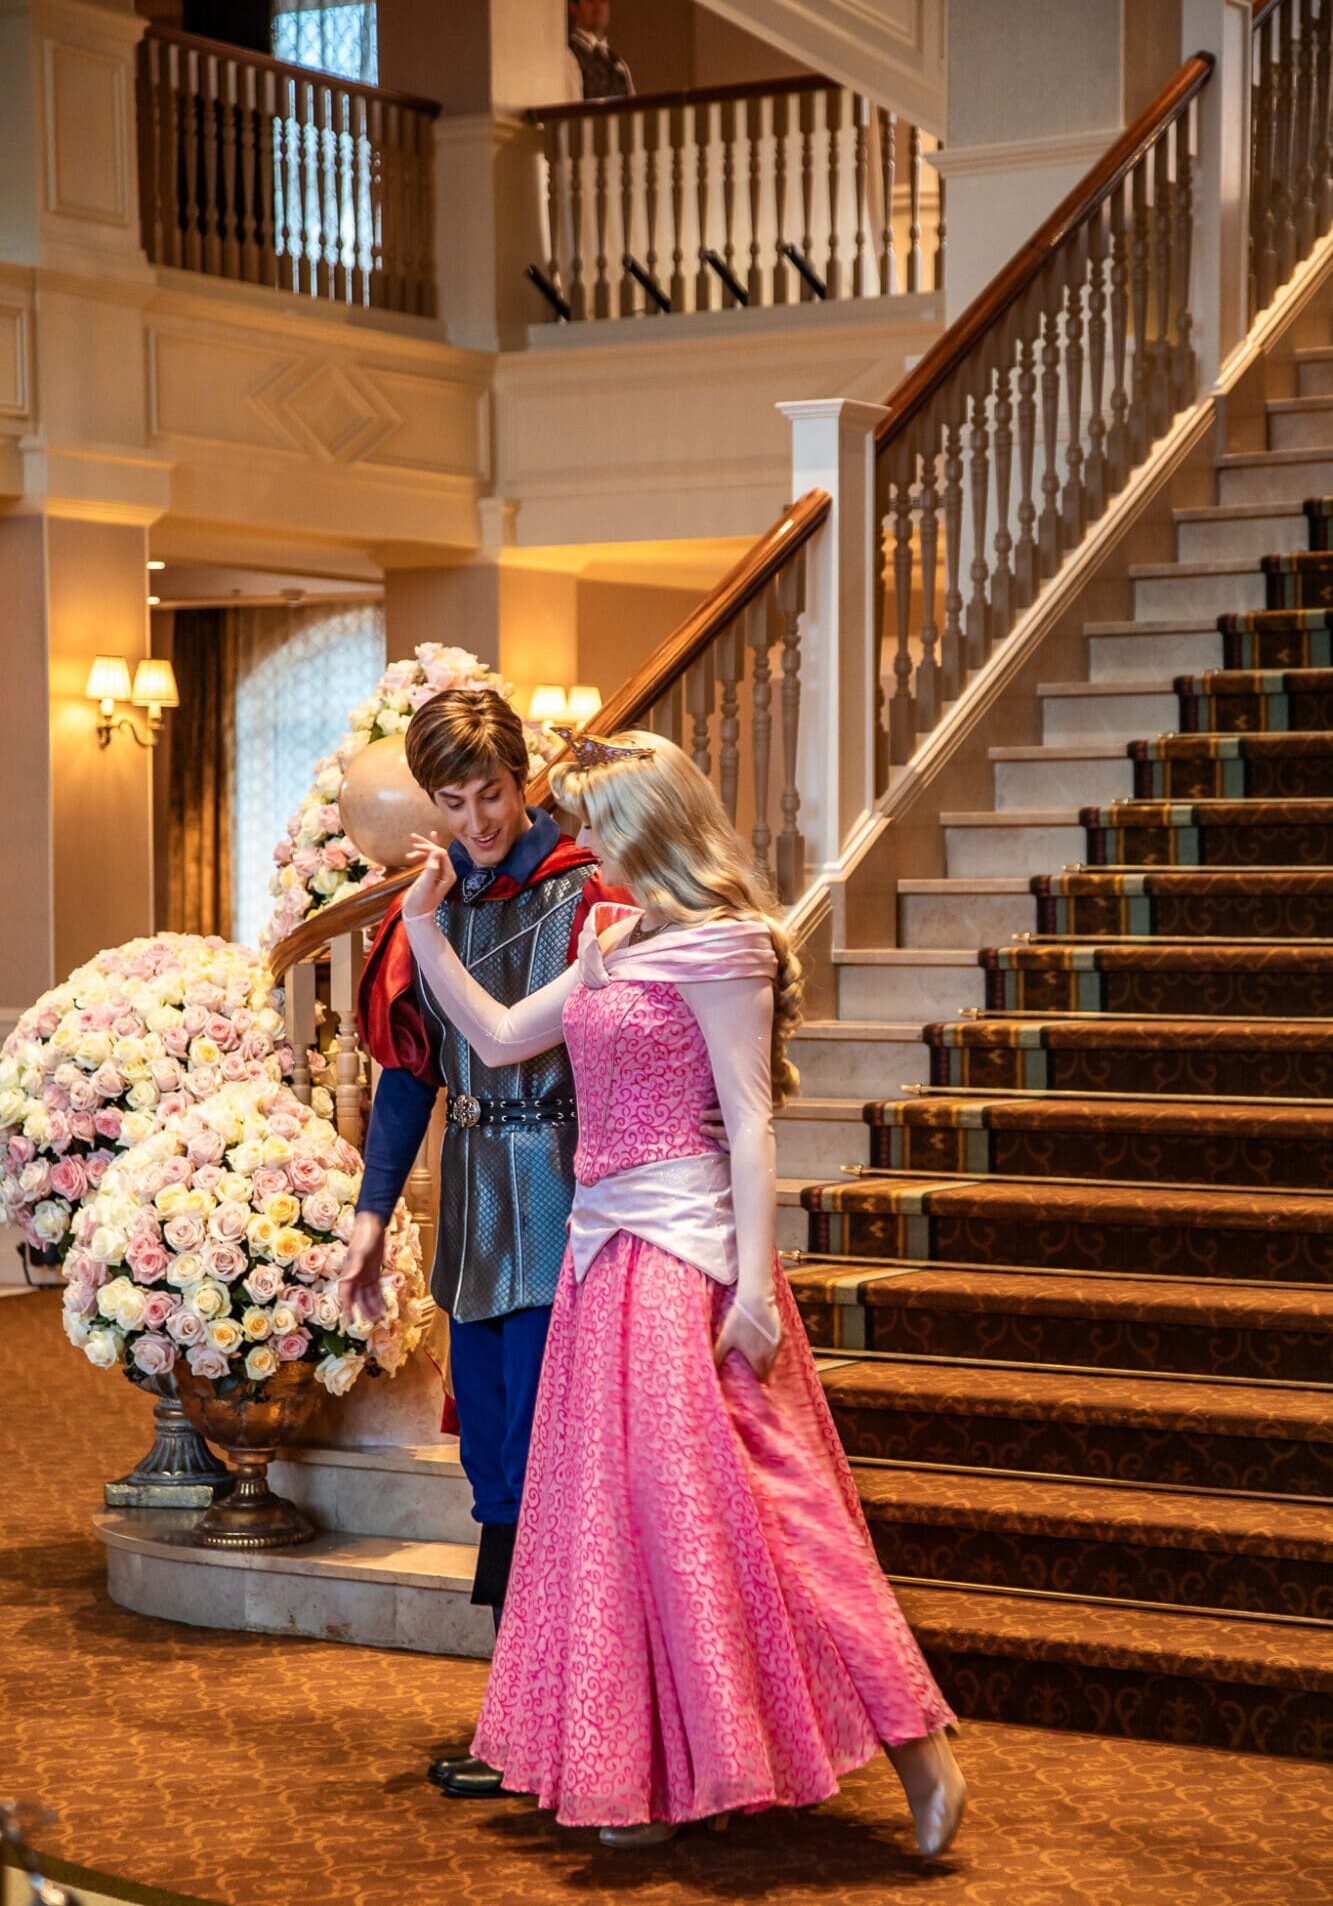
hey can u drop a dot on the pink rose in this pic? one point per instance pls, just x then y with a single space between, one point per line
330 818
228 1220
82 1095
108 1081
206 1362
47 1022
306 861
159 1308
321 1210
95 1164
107 1123
128 1025
343 1228
264 1283
256 1045
234 1068
206 1148
59 1133
176 1171
55 1098
177 1041
166 1074
305 1174
154 1354
223 1261
82 1126
335 857
184 1232
268 1181
185 1326
299 1297
20 1151
203 1081
282 853
148 1258
208 1177
194 1018
312 1263
35 1180
69 1178
293 1346
288 1124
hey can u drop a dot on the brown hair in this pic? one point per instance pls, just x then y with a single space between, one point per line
464 732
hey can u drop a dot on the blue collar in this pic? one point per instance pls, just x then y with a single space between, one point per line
524 857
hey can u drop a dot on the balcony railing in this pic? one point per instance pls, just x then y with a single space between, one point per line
271 174
1291 132
771 193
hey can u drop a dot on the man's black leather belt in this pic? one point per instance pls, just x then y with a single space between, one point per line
467 1110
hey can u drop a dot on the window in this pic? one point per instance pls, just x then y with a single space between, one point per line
298 675
339 39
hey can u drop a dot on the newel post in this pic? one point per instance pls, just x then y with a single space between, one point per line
1222 180
833 449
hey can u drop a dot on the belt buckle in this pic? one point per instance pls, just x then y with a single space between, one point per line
465 1110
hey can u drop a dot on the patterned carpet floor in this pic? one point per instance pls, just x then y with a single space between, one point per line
256 1771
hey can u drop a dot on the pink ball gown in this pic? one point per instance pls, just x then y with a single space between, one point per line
696 1619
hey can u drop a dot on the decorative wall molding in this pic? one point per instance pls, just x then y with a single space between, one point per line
893 50
15 375
87 123
1074 148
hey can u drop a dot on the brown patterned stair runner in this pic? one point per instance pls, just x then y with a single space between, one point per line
1262 903
1291 833
1214 980
1255 701
1303 580
1233 767
1277 638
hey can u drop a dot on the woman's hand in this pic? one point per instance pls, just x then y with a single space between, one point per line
753 1329
434 883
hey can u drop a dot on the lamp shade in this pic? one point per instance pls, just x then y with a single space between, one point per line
155 684
548 703
584 701
108 679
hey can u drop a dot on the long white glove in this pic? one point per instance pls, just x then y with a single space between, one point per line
736 1018
499 1035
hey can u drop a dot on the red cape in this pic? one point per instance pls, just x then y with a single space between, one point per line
387 1015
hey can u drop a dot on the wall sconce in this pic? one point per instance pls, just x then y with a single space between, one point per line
550 703
154 689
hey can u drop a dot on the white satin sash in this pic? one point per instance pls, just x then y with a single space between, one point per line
683 1205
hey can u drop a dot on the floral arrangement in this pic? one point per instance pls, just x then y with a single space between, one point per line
134 1036
316 861
219 1237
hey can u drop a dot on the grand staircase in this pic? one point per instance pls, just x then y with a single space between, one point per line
1074 1299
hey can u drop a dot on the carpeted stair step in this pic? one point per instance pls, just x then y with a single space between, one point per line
1246 1553
1097 1319
1302 580
1225 1058
1278 979
1166 903
1283 1237
1280 767
1268 1144
1126 1426
1277 638
1209 834
1255 701
1143 1673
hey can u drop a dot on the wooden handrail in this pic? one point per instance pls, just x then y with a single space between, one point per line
1009 284
687 96
1262 9
725 600
316 75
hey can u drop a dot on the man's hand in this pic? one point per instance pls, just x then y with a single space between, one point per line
359 1286
713 1126
434 883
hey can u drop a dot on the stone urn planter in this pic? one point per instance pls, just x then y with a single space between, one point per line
250 1430
382 806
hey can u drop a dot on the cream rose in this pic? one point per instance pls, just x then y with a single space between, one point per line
338 1374
225 1334
102 1347
209 1300
284 1209
257 1324
261 1362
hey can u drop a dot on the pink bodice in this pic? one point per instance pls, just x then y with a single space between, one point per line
642 1076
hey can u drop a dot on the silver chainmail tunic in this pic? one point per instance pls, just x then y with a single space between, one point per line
505 1190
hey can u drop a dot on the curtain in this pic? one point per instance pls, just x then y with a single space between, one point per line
299 672
334 36
199 779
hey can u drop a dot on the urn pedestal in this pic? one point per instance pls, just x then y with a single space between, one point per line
251 1430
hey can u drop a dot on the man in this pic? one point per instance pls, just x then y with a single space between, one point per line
507 1160
595 72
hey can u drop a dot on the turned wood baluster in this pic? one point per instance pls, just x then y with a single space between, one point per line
888 170
1118 447
626 144
789 602
952 405
346 959
578 296
1094 473
727 118
230 194
898 591
703 277
928 516
210 107
284 211
397 254
1025 553
361 198
665 715
652 139
730 652
807 117
781 129
1284 141
170 139
601 286
1049 537
152 58
861 162
761 728
556 194
1323 139
754 131
428 301
1073 502
1140 433
250 212
312 234
298 996
1263 132
1305 133
344 202
1182 360
1002 574
194 241
699 700
979 623
1162 200
378 291
326 216
833 99
941 234
676 134
914 227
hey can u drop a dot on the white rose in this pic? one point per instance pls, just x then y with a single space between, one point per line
135 1126
130 1308
50 1221
209 1300
338 1374
257 1324
77 1329
102 1347
12 1102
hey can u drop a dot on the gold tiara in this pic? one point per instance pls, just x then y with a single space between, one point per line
594 751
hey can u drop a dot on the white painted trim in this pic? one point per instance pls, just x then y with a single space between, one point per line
1019 155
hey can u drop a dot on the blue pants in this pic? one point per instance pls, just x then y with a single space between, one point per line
495 1366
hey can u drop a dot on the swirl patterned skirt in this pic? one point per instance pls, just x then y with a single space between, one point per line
696 1619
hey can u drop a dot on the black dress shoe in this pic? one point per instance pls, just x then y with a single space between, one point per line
466 1778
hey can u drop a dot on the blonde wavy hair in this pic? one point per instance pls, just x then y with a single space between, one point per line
662 820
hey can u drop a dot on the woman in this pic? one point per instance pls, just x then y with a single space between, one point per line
696 1619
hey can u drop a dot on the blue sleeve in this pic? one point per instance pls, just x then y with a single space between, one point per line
399 1116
